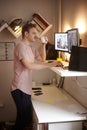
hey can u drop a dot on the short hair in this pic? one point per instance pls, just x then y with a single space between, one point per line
26 27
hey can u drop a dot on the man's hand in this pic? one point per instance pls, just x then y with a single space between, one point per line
59 64
44 39
56 64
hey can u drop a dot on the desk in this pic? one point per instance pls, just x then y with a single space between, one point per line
66 73
56 106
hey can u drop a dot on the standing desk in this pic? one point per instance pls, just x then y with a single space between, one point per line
57 106
66 73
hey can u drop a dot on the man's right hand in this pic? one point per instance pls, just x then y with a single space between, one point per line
56 64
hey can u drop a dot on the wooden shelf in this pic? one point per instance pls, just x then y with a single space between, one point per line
46 30
15 33
42 25
5 25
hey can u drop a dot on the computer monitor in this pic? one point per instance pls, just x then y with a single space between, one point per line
61 43
73 38
65 41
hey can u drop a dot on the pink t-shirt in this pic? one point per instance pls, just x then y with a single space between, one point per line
22 76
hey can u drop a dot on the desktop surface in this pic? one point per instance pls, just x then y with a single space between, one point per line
57 105
64 72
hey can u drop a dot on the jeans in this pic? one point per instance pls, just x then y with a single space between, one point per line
24 110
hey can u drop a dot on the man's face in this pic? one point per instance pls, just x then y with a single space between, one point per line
32 35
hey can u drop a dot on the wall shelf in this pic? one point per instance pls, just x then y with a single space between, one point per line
42 25
5 25
15 33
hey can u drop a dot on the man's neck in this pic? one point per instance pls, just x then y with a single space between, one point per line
25 41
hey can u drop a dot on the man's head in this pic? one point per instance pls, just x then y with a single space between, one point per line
29 32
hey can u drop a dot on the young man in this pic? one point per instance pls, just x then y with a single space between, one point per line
24 62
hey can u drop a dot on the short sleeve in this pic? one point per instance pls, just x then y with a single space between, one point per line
21 51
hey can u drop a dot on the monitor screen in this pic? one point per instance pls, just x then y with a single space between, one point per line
73 38
61 41
65 41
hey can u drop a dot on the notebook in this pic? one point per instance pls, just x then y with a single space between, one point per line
78 59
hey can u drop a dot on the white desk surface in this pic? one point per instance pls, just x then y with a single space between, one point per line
55 105
66 73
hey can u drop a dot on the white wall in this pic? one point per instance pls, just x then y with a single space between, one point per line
6 74
74 13
74 16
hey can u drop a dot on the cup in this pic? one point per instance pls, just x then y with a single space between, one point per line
44 39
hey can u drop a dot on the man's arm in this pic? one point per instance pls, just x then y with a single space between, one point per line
44 41
42 56
38 66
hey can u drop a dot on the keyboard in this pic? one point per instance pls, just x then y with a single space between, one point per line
65 64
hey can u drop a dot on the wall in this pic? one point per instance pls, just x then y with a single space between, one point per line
22 9
74 16
25 9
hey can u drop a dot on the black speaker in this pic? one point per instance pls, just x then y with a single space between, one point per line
78 59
